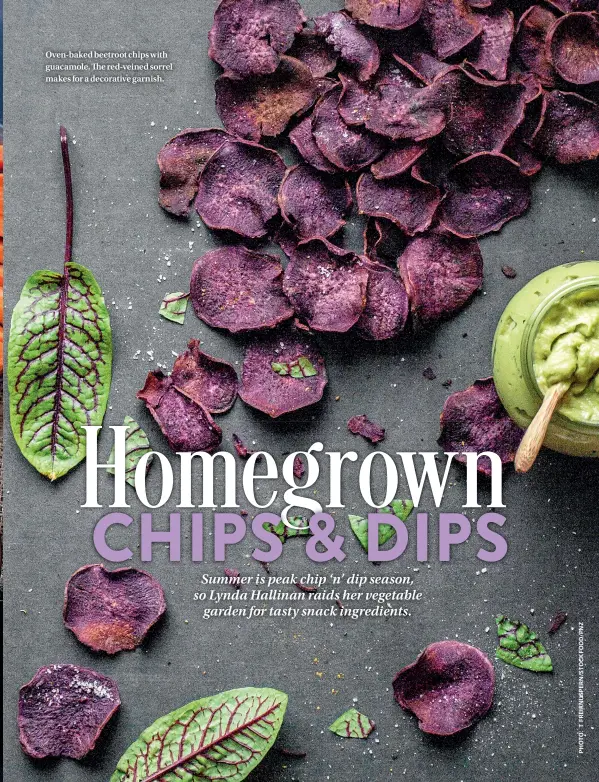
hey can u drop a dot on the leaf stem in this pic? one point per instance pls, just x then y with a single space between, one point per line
68 182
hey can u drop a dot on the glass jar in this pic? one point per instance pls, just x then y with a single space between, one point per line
513 369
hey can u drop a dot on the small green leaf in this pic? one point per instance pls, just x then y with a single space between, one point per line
402 508
352 725
59 367
284 532
136 446
520 646
174 307
307 367
280 369
359 526
221 737
301 367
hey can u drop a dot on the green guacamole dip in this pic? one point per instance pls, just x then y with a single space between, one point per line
566 349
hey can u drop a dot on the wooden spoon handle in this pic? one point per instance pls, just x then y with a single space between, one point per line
535 434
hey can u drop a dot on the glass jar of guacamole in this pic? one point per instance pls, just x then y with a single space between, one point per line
549 333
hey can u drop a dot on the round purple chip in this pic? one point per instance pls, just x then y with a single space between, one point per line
570 129
355 48
239 290
441 273
451 25
281 374
492 48
530 42
573 43
312 49
112 610
181 160
449 688
388 14
485 191
63 710
314 203
398 160
248 36
474 420
387 306
264 105
326 285
302 139
408 202
211 382
238 188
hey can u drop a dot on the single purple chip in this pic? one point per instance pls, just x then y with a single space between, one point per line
519 145
408 202
264 105
474 420
312 49
388 14
363 426
354 47
568 6
441 274
238 189
181 161
449 688
186 425
237 289
573 43
248 36
398 160
63 710
302 139
315 204
570 129
326 285
387 306
451 25
349 149
208 381
530 42
281 374
485 191
491 51
112 610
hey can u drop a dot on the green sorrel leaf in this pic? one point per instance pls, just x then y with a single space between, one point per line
136 446
223 737
174 307
400 508
59 367
352 725
301 367
284 532
520 646
359 527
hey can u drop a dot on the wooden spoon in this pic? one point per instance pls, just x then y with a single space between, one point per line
535 434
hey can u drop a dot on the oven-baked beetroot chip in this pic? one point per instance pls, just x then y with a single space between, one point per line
451 25
181 160
492 47
302 139
519 145
441 273
281 374
485 115
398 160
485 191
238 189
570 129
573 43
248 36
239 290
326 285
383 241
530 42
312 49
408 202
187 425
314 203
369 430
567 6
208 381
448 688
63 710
264 105
355 49
349 149
112 610
387 306
388 14
474 420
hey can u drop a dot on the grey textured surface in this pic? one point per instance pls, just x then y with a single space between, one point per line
128 242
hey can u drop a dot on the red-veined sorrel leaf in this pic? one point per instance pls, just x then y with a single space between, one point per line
520 646
136 446
359 527
174 306
221 737
59 359
352 725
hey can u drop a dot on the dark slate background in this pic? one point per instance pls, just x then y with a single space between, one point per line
128 242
